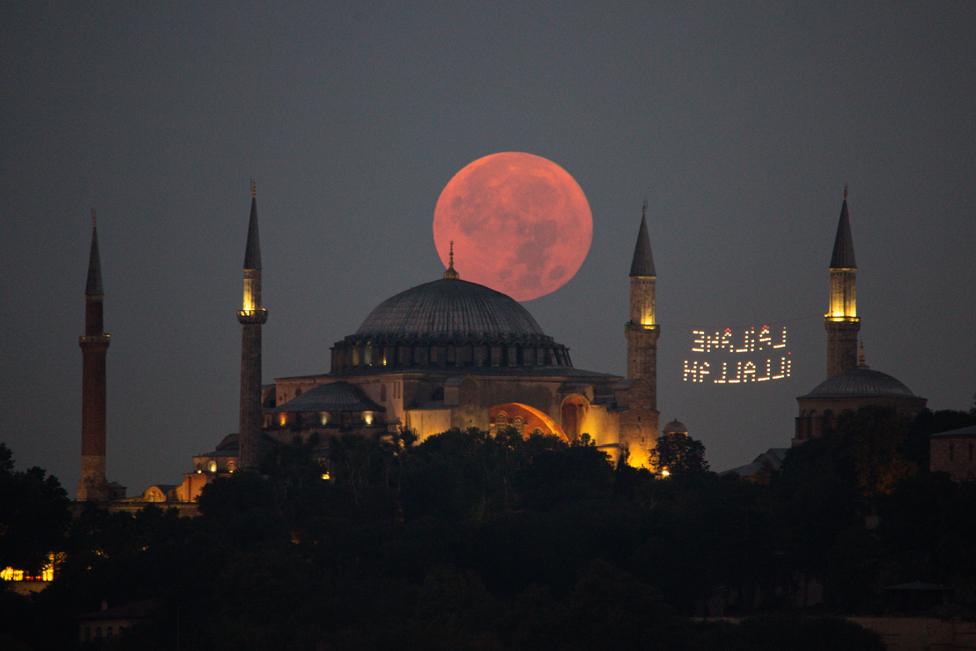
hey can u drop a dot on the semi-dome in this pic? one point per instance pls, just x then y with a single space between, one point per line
448 323
860 381
450 308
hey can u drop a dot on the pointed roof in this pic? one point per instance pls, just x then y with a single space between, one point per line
252 250
843 255
93 286
643 262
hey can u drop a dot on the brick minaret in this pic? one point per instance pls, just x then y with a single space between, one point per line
639 430
252 316
841 320
92 485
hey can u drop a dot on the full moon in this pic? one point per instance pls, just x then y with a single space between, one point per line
519 222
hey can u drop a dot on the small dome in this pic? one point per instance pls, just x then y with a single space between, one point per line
860 382
676 427
449 308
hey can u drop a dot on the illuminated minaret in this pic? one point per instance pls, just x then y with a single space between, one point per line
640 427
252 316
841 320
92 485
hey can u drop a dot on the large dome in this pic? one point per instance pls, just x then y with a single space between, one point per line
449 308
449 324
860 382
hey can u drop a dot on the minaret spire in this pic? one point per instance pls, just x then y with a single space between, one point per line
252 250
642 263
92 484
251 316
93 286
843 254
841 320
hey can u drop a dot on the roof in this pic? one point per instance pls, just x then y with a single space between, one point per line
252 250
843 255
335 396
134 610
450 308
769 461
956 433
860 381
93 285
919 586
643 261
676 427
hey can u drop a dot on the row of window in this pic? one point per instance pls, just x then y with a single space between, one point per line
952 452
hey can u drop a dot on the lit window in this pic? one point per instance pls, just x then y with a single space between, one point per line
368 417
212 466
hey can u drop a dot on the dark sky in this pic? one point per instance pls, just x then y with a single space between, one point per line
739 122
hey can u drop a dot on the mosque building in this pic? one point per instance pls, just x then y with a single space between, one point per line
445 354
850 384
452 354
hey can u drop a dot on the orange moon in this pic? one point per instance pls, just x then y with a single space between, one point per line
519 222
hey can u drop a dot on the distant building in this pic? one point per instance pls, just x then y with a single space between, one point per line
101 626
954 452
850 384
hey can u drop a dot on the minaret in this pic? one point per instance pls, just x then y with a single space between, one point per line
841 320
252 316
639 429
642 329
92 485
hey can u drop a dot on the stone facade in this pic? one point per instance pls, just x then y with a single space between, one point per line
954 452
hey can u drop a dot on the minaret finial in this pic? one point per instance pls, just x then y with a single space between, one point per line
861 362
94 219
845 191
254 188
450 273
644 208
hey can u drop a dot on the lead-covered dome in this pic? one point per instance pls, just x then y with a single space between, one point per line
450 308
448 324
860 381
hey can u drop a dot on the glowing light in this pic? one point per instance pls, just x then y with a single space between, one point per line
843 295
47 571
282 420
212 466
665 473
368 417
725 345
326 476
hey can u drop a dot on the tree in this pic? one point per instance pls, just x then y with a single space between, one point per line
33 514
679 454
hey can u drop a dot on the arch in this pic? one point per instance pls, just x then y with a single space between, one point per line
572 414
530 419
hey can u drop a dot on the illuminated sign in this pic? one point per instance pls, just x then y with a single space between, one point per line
727 356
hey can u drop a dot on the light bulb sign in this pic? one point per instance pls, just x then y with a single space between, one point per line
738 356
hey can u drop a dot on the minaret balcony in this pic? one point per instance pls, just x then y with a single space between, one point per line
649 327
841 318
92 340
251 317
